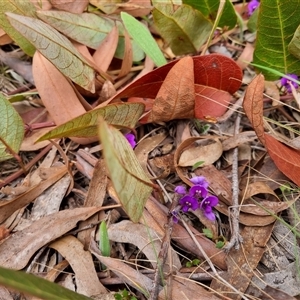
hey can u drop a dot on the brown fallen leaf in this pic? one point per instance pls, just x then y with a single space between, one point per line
9 207
127 58
145 146
106 50
81 261
124 271
242 262
286 159
253 105
207 149
238 139
146 239
57 93
176 96
73 6
16 250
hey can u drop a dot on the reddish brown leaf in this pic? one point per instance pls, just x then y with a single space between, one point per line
175 99
210 102
217 71
253 105
286 159
213 70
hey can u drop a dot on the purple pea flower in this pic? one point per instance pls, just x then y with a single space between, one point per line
252 6
188 202
199 180
180 189
198 191
285 82
207 204
131 139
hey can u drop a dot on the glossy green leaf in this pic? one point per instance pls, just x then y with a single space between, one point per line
142 36
56 48
20 7
11 129
86 125
276 24
36 286
88 29
210 7
183 36
131 184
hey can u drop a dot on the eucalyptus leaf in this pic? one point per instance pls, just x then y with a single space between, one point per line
56 48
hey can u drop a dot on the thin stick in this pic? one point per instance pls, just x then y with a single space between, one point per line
236 238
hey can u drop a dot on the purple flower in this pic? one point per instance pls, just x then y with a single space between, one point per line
252 6
188 202
285 82
175 216
199 180
180 189
207 204
198 191
131 139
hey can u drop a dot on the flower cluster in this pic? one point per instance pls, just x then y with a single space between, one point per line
196 198
286 82
252 6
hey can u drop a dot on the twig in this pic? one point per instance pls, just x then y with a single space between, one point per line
236 238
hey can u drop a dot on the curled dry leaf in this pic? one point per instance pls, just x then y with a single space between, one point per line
82 264
238 139
253 105
195 149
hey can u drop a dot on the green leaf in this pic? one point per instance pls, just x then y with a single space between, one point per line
294 45
208 233
197 164
86 125
210 8
36 286
183 36
11 129
229 17
20 7
206 7
142 36
252 22
56 48
88 29
104 244
276 24
131 184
